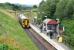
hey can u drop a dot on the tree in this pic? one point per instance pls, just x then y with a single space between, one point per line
69 10
60 8
48 8
52 7
34 6
15 7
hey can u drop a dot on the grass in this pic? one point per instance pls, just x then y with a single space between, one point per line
69 32
11 29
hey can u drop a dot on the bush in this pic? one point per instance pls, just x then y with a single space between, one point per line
3 47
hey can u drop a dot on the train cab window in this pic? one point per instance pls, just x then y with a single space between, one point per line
26 22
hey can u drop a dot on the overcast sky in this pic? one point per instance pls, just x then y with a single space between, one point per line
28 2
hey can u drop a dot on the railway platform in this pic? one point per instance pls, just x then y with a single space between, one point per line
54 43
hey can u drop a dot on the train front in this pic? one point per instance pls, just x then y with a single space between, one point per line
24 21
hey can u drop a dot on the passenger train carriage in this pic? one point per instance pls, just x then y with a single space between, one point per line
24 21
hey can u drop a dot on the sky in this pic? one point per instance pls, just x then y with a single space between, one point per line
27 2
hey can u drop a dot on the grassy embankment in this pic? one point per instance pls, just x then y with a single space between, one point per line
13 35
69 32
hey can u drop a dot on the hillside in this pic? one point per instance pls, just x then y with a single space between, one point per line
12 35
69 32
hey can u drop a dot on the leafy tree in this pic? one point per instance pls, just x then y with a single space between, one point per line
69 10
15 7
42 8
34 6
48 8
60 8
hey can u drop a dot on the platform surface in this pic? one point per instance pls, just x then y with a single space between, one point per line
57 45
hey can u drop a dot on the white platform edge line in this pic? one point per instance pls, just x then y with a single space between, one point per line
56 45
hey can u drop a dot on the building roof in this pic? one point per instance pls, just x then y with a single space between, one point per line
50 21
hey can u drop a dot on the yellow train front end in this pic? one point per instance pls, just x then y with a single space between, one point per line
25 23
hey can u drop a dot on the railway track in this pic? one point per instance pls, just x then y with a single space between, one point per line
38 40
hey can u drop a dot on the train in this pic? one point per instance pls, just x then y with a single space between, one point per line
24 21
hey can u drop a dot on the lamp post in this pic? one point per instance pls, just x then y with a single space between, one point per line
46 17
58 27
35 19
